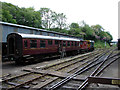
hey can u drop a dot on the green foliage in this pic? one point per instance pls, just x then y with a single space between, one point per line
74 25
7 9
89 32
110 36
101 44
76 30
23 16
97 28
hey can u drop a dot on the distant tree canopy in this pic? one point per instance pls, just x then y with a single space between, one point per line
45 18
23 16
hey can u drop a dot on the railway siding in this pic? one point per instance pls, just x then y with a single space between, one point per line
72 69
65 60
56 73
85 82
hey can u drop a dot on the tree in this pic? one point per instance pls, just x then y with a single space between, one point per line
32 18
7 17
74 25
90 34
47 17
76 30
7 11
97 28
37 20
60 20
110 36
23 16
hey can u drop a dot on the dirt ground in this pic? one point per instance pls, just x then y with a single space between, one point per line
13 69
9 67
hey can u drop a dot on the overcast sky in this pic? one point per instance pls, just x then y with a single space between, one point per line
102 12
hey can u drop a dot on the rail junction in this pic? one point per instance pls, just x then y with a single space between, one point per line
77 72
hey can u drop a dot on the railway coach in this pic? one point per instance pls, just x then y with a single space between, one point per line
84 46
91 45
24 45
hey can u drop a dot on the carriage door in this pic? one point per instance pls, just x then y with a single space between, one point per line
11 45
60 46
18 45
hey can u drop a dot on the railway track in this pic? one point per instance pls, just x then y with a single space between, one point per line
71 60
98 69
66 71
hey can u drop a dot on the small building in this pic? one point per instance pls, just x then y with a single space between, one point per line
8 28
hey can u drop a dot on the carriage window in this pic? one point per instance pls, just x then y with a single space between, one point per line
68 43
33 43
92 43
81 43
25 44
42 43
49 42
56 42
75 43
41 33
78 44
72 43
64 43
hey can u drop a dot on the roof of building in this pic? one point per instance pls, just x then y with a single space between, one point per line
37 29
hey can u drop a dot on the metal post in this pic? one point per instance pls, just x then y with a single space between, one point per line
105 44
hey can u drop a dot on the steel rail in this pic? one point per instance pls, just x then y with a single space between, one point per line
24 74
83 85
58 63
22 84
17 85
84 63
92 59
83 69
71 63
70 77
106 66
73 75
5 80
64 66
76 73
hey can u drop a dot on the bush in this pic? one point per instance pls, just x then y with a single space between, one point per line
101 44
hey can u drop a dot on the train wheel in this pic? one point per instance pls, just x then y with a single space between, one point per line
19 61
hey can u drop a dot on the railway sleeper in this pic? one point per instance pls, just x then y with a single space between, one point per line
16 84
57 74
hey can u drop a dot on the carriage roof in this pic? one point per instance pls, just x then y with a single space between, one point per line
45 37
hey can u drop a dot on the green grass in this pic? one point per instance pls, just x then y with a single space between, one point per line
101 44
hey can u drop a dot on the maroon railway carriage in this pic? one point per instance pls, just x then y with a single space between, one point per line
22 45
83 46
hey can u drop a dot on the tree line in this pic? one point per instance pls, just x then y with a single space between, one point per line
45 18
